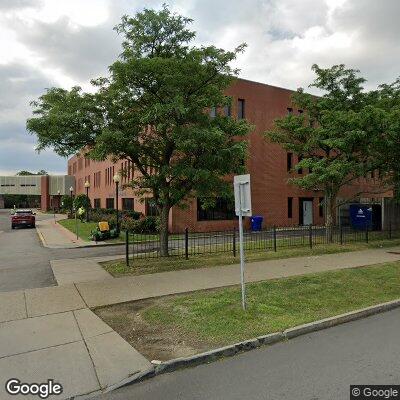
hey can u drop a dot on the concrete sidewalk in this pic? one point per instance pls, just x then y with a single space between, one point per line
51 332
55 236
74 348
118 290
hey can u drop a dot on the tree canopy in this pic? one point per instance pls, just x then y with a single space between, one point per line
152 110
338 135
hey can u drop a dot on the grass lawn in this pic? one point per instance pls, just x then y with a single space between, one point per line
84 229
140 266
169 327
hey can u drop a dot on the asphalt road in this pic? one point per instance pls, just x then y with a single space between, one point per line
318 366
25 263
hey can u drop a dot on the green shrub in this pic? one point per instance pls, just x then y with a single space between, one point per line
101 214
67 202
81 200
143 225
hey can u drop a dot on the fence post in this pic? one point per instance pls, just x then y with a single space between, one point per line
310 236
341 234
127 247
186 243
133 246
366 232
390 229
234 241
274 236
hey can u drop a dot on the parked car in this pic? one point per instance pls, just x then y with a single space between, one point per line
23 218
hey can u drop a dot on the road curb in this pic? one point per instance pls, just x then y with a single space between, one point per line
41 237
246 345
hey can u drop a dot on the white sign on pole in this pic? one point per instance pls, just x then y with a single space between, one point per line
241 184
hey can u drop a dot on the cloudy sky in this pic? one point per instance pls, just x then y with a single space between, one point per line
46 43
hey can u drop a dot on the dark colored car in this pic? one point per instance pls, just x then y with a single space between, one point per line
23 218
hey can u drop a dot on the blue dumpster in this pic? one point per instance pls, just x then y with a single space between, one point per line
360 216
256 222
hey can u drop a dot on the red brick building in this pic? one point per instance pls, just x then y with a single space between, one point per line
268 164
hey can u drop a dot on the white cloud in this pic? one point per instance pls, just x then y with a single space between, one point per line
49 42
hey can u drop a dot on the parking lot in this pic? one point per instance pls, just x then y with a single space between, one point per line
25 263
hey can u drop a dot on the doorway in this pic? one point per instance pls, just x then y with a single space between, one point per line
305 210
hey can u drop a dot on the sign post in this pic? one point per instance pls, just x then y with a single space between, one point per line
241 184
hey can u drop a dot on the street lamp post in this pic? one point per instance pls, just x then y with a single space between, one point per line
87 186
116 179
59 200
71 191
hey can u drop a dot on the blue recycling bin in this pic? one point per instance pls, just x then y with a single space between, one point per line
256 222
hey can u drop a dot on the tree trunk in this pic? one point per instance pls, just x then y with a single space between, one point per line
330 216
164 217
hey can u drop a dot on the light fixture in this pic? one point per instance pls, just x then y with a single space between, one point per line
87 184
116 178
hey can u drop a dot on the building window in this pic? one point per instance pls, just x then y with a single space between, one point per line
97 203
151 208
213 112
227 110
222 210
69 170
289 161
110 202
300 111
97 179
300 170
127 203
290 207
289 110
241 109
321 207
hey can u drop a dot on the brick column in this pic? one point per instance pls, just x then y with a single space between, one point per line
44 192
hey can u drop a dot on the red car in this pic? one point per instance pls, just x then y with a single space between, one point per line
23 218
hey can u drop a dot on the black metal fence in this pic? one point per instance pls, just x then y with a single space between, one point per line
188 243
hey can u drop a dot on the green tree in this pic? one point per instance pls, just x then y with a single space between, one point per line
334 135
386 149
67 202
28 173
153 110
24 173
81 200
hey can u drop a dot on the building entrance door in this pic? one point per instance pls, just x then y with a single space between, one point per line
306 212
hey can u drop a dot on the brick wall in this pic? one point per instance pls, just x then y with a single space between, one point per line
267 165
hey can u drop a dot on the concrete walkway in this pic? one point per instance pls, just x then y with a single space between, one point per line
51 332
75 348
55 236
118 290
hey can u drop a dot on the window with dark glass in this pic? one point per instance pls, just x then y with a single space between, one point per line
300 111
321 207
227 110
127 203
241 109
290 110
151 208
289 161
300 170
97 203
290 207
110 202
222 210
